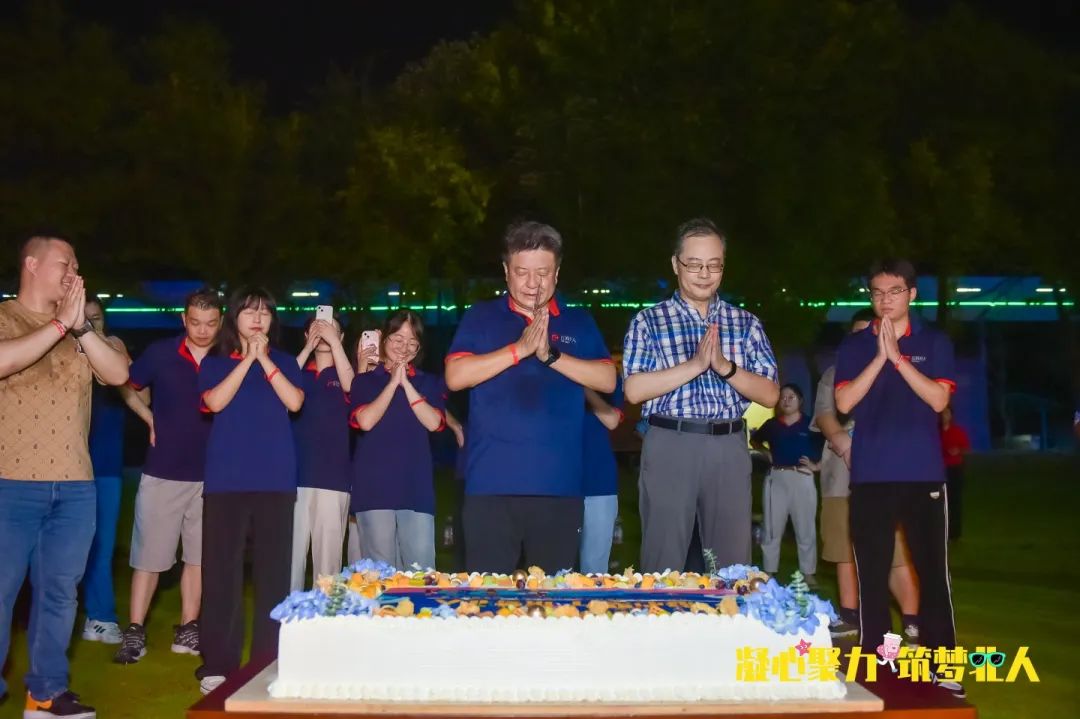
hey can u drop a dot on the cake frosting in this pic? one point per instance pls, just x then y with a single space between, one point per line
374 634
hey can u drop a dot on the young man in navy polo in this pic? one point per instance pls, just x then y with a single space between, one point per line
893 378
528 359
168 505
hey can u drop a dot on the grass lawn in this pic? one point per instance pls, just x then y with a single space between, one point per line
1016 581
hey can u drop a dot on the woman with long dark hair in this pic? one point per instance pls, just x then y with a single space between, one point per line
397 405
250 483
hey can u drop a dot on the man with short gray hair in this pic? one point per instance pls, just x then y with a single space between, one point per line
696 363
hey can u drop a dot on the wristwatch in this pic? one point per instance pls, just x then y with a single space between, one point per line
87 327
731 372
553 356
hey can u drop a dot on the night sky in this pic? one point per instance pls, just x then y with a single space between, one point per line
289 47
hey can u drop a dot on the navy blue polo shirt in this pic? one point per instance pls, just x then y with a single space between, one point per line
526 424
181 431
251 443
392 465
788 442
321 431
600 473
106 437
896 437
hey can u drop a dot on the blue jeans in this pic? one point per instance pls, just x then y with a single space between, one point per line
99 599
45 527
596 531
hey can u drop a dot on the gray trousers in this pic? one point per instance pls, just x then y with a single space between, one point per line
790 493
399 537
686 476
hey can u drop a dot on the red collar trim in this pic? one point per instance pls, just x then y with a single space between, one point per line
907 332
311 367
552 308
184 351
236 355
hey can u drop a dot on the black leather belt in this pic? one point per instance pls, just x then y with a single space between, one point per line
698 426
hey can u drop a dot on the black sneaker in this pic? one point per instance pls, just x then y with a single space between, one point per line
954 688
186 638
840 628
133 646
62 705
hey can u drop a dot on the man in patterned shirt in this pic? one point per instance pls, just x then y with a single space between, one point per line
49 355
696 362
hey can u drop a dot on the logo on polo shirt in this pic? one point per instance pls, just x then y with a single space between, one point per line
565 339
333 383
915 359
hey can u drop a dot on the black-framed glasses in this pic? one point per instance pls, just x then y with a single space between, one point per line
977 659
878 295
696 267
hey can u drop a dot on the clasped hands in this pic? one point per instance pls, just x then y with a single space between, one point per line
534 340
888 344
709 353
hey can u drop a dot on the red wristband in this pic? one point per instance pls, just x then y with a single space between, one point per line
513 352
419 401
270 377
898 362
60 327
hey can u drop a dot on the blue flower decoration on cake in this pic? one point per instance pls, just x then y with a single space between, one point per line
369 565
301 605
784 610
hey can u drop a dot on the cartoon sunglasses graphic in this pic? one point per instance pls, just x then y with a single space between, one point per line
977 659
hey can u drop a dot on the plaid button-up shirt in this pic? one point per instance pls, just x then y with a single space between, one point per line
668 334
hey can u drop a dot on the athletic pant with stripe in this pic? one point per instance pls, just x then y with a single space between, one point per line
922 509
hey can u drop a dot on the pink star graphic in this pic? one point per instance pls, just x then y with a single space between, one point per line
804 647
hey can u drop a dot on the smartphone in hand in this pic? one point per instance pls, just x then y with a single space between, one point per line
370 338
324 313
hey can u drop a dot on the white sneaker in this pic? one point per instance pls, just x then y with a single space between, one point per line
210 683
106 632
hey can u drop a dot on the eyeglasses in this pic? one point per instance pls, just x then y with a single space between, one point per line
977 659
399 342
714 268
879 295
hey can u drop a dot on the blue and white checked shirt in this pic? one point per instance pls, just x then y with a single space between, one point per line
668 334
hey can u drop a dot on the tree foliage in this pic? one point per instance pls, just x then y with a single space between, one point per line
818 134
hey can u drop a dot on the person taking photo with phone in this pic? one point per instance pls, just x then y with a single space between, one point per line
321 432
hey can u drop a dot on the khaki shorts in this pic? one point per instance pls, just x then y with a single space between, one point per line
167 512
836 534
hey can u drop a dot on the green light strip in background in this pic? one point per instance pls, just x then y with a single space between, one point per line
626 305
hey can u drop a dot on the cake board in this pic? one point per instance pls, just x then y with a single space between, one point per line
253 698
